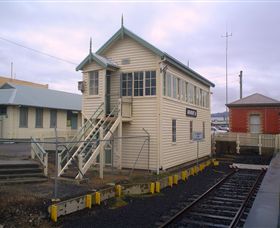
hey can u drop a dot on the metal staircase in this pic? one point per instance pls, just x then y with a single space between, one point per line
81 152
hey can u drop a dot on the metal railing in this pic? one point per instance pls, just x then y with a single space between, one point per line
79 136
249 140
38 151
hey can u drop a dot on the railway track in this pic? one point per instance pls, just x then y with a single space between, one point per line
226 204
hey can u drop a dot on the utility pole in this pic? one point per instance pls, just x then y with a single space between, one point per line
227 35
11 70
240 81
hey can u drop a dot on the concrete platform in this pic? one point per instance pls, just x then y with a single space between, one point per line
265 210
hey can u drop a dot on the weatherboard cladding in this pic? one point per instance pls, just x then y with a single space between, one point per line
164 56
11 94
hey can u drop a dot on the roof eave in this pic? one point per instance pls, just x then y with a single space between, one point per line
254 105
89 58
188 70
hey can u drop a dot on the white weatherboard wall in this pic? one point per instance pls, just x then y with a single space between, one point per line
184 149
13 131
144 109
91 102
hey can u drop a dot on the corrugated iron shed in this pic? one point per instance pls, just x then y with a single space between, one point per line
11 94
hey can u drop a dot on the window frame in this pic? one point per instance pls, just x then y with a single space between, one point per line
150 77
137 83
39 113
191 129
53 122
127 80
23 120
93 83
174 130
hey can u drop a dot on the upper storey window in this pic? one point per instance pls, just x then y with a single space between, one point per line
93 83
150 83
126 84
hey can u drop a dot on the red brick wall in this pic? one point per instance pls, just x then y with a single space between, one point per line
270 119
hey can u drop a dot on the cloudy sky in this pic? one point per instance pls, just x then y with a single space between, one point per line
189 31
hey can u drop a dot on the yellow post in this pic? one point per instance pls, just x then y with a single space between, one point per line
216 163
170 181
54 213
97 198
152 188
88 201
157 186
196 169
118 190
184 175
175 179
201 167
191 171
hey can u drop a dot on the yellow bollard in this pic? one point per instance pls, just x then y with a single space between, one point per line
152 188
97 198
170 181
175 179
192 171
184 175
216 163
157 186
118 190
201 167
196 169
54 213
88 201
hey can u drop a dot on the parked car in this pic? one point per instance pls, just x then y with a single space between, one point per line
224 128
215 130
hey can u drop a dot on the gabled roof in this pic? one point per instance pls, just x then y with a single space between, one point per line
164 56
11 94
255 99
102 61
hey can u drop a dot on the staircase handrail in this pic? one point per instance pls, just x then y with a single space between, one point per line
81 132
41 154
105 121
95 153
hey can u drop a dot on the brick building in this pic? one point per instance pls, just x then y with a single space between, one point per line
255 114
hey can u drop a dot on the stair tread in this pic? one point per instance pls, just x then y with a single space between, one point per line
20 169
23 180
21 175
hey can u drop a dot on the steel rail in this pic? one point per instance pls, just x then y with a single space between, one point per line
243 206
197 200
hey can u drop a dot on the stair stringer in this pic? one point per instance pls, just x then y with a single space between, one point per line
96 152
95 128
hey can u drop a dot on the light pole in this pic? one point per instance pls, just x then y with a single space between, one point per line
227 36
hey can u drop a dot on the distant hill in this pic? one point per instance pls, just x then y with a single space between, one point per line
219 114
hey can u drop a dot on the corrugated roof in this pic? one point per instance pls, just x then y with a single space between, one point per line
124 31
255 99
11 94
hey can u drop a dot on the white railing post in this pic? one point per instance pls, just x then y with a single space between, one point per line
80 165
59 164
45 160
120 135
32 149
237 144
101 153
260 144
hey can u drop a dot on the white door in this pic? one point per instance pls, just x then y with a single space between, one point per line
255 123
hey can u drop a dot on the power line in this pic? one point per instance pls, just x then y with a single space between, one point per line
37 51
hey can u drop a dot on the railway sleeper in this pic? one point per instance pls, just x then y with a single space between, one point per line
203 215
188 223
220 211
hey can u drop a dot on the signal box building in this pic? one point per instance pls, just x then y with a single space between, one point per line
155 92
255 114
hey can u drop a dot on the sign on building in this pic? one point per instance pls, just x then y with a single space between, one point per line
191 112
197 136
